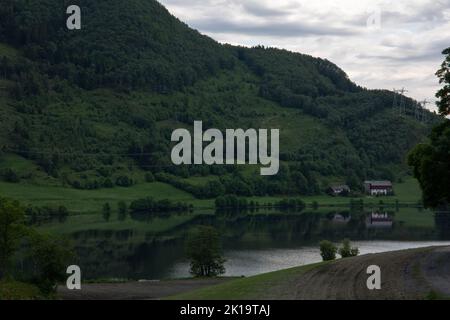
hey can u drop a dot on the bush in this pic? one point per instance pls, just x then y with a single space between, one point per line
10 175
36 214
346 251
124 181
149 177
231 202
328 250
149 205
50 257
108 183
13 290
122 207
106 211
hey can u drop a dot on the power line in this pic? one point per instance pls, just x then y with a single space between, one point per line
403 108
424 113
55 152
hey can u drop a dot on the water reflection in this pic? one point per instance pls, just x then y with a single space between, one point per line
152 247
379 219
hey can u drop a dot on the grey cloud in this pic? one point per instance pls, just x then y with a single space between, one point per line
431 52
279 29
260 10
432 13
412 36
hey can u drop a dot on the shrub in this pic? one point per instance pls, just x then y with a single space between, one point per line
149 177
328 250
124 181
50 257
122 207
346 251
106 211
149 205
13 290
108 183
10 175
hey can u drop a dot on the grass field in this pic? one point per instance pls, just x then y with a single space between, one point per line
407 192
88 201
92 201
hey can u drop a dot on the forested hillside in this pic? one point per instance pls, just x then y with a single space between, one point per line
94 108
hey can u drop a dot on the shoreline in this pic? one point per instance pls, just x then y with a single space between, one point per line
422 273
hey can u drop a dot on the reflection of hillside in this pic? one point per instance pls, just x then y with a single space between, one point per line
442 220
146 246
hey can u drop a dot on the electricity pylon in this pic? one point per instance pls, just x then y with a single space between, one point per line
400 104
424 114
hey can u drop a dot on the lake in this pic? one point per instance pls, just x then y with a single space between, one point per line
145 247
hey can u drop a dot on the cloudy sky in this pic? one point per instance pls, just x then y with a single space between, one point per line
379 43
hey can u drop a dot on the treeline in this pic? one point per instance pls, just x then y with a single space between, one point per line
99 183
46 213
150 205
38 261
284 183
235 202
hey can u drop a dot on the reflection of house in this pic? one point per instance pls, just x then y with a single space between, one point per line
378 187
341 190
340 219
379 220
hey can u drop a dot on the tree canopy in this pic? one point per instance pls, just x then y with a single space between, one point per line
431 164
204 251
431 161
444 78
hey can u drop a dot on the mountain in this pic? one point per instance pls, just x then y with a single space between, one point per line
95 107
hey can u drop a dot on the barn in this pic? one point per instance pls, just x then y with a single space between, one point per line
375 188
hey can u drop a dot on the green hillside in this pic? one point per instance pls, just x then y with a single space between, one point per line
95 108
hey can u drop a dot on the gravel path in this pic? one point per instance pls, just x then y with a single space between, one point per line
411 274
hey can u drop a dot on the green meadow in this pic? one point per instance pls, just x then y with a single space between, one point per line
91 201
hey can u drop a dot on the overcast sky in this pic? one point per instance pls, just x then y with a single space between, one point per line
379 43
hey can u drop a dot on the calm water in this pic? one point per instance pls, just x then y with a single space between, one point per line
253 262
142 247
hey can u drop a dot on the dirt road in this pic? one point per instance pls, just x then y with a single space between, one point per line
135 290
411 274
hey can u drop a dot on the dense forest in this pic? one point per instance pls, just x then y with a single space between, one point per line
95 108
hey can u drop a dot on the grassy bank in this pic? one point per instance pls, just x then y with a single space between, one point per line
258 287
89 201
92 201
13 290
